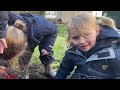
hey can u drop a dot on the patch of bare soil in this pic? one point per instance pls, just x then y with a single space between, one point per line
35 72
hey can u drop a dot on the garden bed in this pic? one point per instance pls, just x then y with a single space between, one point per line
36 71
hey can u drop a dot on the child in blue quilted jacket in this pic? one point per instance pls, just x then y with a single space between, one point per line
94 49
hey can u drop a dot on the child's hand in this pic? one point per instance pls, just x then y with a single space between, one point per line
44 52
3 45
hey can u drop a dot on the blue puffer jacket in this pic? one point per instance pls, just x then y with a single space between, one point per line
101 62
38 28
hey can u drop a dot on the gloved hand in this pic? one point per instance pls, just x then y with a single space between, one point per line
24 72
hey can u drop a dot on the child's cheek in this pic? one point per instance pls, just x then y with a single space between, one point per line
76 43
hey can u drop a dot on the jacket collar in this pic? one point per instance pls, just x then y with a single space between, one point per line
106 53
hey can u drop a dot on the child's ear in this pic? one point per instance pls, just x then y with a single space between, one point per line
97 30
97 33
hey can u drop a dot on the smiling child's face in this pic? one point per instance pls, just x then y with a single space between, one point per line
84 39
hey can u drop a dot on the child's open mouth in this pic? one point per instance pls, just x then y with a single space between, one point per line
84 46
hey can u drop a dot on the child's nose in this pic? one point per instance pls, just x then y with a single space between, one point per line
81 40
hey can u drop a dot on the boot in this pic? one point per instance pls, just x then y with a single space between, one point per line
49 71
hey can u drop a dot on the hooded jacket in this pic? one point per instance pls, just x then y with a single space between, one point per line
100 62
38 28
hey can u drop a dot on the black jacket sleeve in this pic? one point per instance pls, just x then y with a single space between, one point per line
3 23
66 67
49 40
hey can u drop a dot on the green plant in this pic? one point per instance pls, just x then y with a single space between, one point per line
62 30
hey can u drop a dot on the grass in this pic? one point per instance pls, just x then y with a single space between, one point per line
59 49
62 31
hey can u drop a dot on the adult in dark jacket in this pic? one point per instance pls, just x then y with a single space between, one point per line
94 51
3 24
40 32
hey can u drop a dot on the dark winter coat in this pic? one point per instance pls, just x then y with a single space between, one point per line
38 28
101 62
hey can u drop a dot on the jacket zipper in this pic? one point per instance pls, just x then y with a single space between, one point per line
78 54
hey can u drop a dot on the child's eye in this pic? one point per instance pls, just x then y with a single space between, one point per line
86 34
75 37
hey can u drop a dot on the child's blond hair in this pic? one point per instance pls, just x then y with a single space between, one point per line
103 20
79 23
16 41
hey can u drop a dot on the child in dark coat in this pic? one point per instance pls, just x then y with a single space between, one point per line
16 43
94 49
40 32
